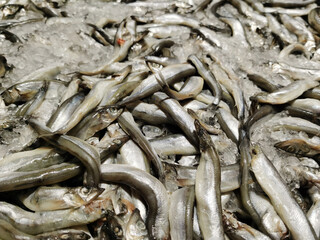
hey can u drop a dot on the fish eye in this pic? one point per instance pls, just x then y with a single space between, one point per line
141 225
291 149
304 148
84 190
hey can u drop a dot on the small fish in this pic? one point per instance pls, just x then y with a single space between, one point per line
57 198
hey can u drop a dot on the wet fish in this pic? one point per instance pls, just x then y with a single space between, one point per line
280 196
151 190
287 93
181 213
57 198
208 179
151 84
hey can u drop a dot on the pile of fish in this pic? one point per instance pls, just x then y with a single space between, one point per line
160 119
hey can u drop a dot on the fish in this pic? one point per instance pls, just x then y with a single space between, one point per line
280 196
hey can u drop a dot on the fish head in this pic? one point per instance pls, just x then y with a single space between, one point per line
296 146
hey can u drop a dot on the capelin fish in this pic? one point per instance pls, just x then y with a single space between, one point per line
21 92
280 30
296 73
246 10
302 113
209 36
176 19
238 230
54 174
290 4
208 179
231 82
30 160
151 189
63 113
32 105
40 222
83 151
208 77
262 83
118 92
304 35
72 89
136 228
128 124
307 104
9 232
297 124
131 154
309 174
57 198
95 122
46 73
181 117
312 93
314 211
101 35
280 196
313 19
92 100
294 48
108 147
190 89
238 33
124 39
287 93
206 126
181 213
273 224
244 148
153 83
293 12
173 144
299 147
149 113
229 124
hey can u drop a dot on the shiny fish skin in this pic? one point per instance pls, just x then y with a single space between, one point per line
64 111
50 175
272 223
35 223
83 151
173 144
132 155
297 124
150 85
181 117
9 232
95 122
238 230
280 196
136 229
33 159
190 89
57 198
299 147
287 93
208 181
21 92
89 103
181 213
209 78
128 124
151 190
